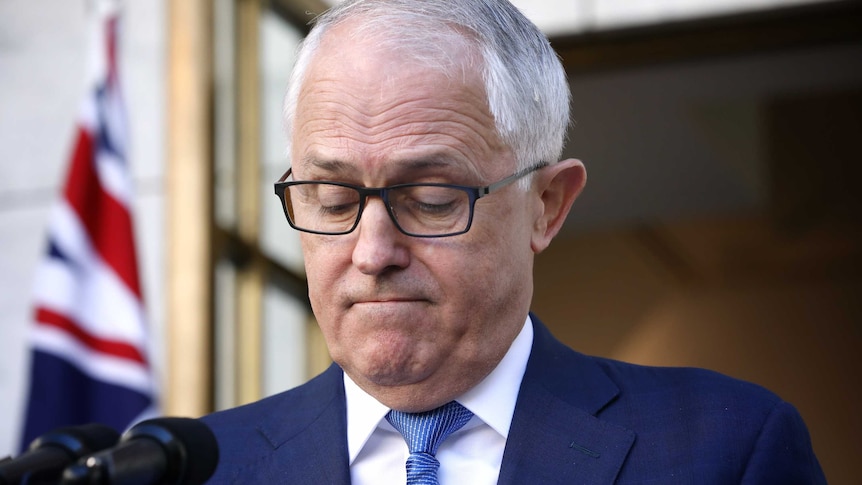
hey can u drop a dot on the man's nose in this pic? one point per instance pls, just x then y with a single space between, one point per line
379 244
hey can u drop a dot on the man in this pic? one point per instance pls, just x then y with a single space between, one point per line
424 138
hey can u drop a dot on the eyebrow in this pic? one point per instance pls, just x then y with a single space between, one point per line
339 168
329 165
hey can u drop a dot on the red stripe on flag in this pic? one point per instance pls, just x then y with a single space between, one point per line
107 221
109 347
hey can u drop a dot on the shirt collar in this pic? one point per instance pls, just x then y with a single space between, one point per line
364 413
492 400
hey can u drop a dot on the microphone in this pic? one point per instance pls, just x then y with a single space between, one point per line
175 451
50 453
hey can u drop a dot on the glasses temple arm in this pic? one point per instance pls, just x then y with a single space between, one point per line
483 191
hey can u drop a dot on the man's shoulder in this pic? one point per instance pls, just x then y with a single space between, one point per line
679 404
700 415
688 383
280 439
304 400
640 383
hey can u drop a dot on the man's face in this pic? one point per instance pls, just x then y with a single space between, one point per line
414 321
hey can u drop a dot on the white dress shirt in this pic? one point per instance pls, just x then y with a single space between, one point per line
471 455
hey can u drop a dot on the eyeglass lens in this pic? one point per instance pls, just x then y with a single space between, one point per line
417 209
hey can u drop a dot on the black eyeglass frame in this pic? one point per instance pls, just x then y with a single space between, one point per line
474 193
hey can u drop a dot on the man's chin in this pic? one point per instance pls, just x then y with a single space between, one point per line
388 373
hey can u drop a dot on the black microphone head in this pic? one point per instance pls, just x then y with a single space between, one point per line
191 447
78 440
48 454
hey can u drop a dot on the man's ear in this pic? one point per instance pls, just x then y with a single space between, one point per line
558 186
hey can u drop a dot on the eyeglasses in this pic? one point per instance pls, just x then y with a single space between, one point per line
419 210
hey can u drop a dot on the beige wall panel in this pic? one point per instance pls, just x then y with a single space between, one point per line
189 209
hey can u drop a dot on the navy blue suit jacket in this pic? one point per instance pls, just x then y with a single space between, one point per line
578 420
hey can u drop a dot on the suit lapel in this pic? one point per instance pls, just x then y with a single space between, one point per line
555 436
310 446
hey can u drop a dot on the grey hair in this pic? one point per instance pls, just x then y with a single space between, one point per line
525 83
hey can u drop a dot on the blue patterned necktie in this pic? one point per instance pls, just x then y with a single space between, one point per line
423 433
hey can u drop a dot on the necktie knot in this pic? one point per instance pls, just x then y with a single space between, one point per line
423 433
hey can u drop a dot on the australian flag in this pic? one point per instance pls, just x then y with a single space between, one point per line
89 338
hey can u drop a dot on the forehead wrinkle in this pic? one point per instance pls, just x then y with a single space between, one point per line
456 148
404 122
